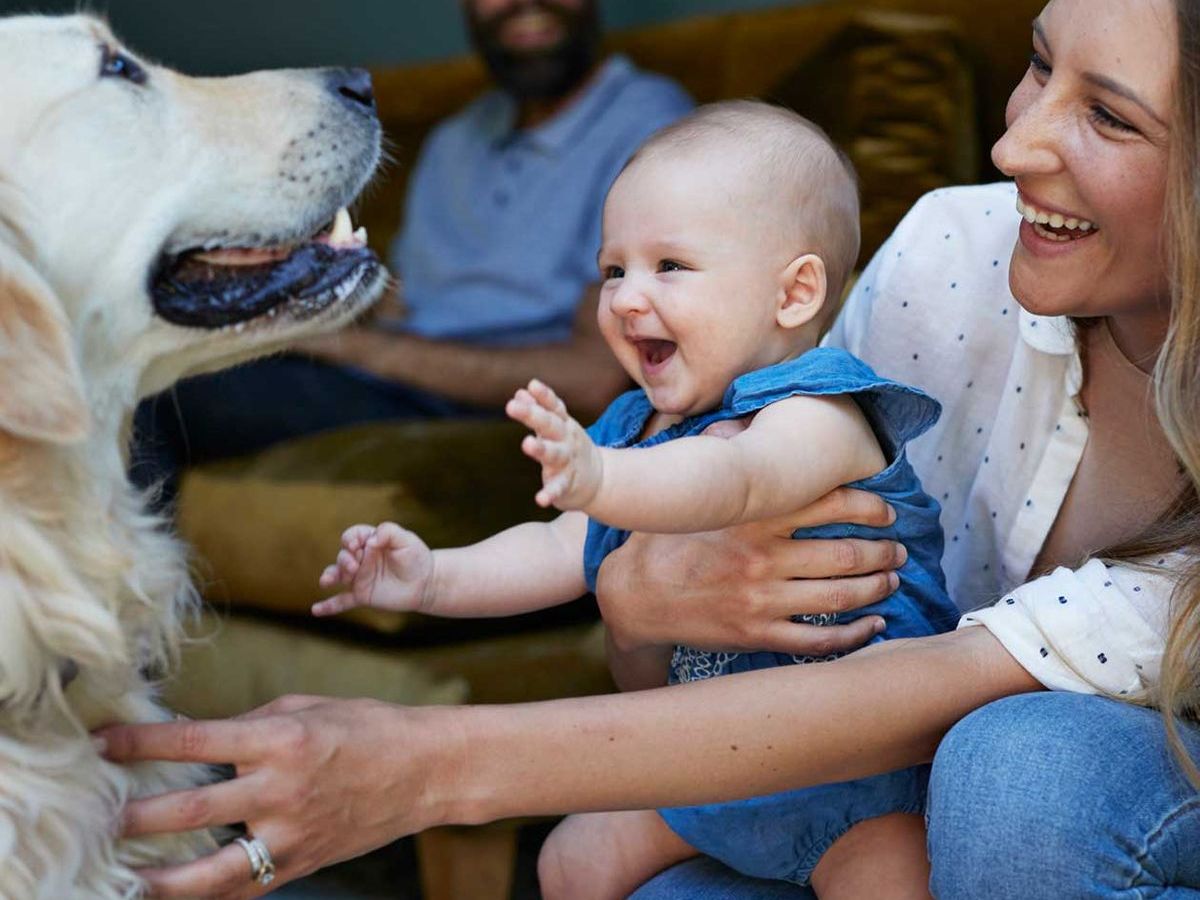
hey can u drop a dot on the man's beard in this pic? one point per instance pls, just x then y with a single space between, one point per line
546 73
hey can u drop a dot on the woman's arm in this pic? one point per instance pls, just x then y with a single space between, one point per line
883 708
321 781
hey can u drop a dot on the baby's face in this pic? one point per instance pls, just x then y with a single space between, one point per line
691 281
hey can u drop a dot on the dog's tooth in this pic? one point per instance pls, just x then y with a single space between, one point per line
343 228
360 234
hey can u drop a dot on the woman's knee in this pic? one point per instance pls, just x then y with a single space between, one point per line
1044 793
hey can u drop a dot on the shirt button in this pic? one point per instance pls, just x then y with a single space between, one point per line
500 198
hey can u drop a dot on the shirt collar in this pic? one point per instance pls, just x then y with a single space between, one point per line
1049 334
1054 335
555 135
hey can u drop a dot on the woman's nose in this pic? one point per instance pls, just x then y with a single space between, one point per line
1033 141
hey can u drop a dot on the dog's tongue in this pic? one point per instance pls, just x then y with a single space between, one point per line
342 235
243 257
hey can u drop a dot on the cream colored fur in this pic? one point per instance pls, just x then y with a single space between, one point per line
97 177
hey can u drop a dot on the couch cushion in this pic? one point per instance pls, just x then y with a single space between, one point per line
237 662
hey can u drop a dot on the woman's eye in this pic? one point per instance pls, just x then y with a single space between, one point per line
117 65
1102 116
611 272
1038 64
669 265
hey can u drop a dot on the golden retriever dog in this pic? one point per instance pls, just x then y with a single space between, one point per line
151 226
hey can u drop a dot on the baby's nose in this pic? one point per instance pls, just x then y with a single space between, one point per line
630 299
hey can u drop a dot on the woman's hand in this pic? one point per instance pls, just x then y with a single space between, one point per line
737 589
318 781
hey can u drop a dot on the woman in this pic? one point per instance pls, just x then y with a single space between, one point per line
1051 447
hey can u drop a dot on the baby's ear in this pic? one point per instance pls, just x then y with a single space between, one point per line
803 285
41 396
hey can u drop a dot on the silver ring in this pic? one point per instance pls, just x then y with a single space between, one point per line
262 867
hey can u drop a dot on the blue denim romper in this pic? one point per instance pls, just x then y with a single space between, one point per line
784 835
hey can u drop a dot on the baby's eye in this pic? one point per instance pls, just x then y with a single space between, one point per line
669 265
611 272
1038 63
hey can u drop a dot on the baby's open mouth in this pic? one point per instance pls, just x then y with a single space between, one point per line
654 352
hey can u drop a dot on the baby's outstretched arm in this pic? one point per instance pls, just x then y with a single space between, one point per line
572 468
529 566
792 453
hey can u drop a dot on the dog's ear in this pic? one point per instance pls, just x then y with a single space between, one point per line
41 389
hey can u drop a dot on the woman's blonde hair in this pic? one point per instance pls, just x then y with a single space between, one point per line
1177 396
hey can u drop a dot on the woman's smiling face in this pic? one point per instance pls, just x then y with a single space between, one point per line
1087 145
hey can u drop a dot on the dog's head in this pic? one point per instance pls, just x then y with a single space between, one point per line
154 225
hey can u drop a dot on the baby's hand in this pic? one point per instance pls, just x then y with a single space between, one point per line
571 463
386 567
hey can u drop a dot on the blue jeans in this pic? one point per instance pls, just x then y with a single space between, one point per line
1049 795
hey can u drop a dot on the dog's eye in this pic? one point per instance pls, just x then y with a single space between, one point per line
115 64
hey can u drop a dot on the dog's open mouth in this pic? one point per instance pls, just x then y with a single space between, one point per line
228 286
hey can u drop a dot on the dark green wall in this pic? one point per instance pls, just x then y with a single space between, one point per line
220 36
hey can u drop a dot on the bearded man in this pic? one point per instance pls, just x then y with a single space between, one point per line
496 254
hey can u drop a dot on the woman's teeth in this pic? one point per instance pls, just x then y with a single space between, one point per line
1064 228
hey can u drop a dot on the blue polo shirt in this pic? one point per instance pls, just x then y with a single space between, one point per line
502 226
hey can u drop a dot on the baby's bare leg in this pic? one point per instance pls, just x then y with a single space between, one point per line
883 858
605 856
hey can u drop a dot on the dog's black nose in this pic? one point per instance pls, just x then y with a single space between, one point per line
354 85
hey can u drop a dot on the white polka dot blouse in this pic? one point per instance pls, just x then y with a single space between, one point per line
933 309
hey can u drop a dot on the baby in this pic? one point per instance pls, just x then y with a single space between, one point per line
727 240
